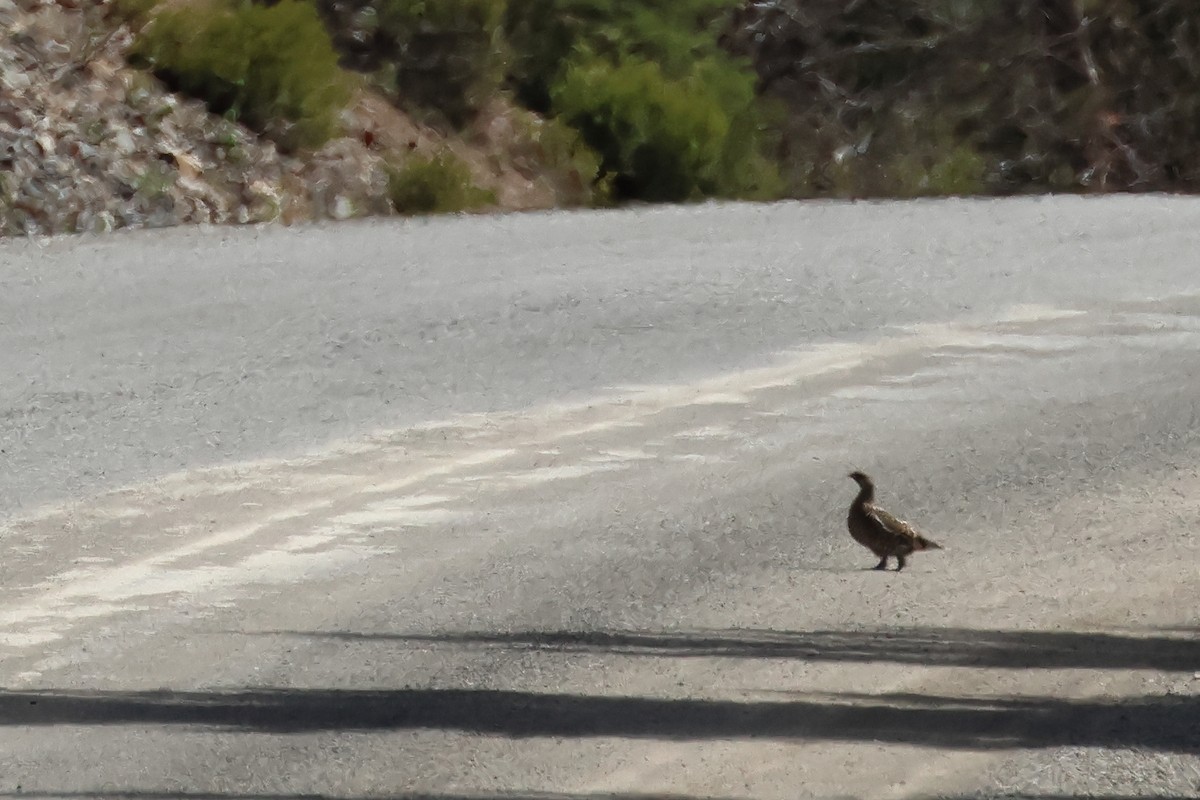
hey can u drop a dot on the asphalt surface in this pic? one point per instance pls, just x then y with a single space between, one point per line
552 506
137 353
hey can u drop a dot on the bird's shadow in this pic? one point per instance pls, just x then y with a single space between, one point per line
831 570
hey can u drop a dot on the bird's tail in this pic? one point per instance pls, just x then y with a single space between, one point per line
926 544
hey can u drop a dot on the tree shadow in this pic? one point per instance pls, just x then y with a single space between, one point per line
111 794
947 647
1162 723
1039 796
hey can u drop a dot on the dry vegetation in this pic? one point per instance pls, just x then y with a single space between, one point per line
158 112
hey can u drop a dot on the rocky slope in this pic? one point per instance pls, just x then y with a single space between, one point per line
89 144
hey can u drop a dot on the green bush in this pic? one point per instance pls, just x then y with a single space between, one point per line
662 139
445 56
672 116
960 172
272 68
435 186
451 54
548 35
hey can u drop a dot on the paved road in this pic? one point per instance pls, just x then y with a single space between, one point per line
551 506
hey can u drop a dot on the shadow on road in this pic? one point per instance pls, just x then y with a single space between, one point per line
109 794
1162 723
947 647
151 795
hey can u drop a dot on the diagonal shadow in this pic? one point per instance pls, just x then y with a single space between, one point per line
152 795
1029 796
1168 723
954 647
108 794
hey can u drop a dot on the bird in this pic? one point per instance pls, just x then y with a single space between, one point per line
880 532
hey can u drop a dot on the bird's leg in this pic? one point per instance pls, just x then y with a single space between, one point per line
882 563
899 563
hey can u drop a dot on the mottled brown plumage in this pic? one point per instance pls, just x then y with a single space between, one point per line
880 532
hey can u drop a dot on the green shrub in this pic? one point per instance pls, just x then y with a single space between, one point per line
451 52
445 56
662 139
960 172
670 113
548 35
435 186
270 67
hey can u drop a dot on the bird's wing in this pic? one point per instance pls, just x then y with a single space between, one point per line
892 525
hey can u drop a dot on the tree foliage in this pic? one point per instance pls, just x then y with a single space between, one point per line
672 115
897 97
446 56
548 36
273 68
662 139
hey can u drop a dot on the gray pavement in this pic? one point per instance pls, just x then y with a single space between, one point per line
552 506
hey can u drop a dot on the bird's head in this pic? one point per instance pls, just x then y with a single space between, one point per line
862 479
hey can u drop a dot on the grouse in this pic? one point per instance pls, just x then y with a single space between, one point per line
880 532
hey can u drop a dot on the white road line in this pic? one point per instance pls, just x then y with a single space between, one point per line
104 589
